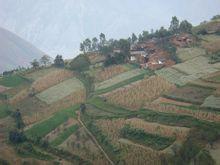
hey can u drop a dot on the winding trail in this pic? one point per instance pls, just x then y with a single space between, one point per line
94 139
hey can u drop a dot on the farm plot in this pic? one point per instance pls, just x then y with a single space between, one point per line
211 43
4 110
110 72
163 100
51 79
205 84
198 66
212 102
79 143
189 53
34 75
12 80
137 94
119 78
173 109
172 75
191 94
43 128
3 88
214 77
61 90
189 71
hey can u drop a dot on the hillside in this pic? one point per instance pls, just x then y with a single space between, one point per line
14 51
155 101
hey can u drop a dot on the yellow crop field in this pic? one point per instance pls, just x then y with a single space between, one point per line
135 95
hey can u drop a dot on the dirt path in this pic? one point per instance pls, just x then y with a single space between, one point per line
94 139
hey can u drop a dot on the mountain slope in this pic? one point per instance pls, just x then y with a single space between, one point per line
14 51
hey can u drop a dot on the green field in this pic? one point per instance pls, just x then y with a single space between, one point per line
64 135
43 128
189 53
4 110
61 90
212 102
12 80
119 78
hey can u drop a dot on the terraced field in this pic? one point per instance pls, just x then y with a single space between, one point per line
189 53
212 102
61 90
188 71
34 75
118 79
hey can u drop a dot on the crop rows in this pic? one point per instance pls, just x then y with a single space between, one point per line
119 78
109 72
212 102
51 79
135 95
60 91
188 53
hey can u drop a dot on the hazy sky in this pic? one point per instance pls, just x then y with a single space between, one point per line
58 26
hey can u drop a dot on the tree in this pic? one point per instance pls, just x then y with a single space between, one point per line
102 39
87 45
82 108
94 44
82 47
185 26
145 35
35 64
18 119
133 38
215 17
80 63
174 25
140 38
163 32
59 62
45 60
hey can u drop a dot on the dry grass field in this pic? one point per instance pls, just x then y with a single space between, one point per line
136 95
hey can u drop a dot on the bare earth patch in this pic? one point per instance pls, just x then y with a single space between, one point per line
170 101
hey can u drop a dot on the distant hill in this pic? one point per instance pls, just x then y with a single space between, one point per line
209 27
14 51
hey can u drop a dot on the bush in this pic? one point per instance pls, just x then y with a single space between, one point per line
16 137
80 63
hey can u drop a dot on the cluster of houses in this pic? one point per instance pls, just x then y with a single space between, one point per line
149 55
